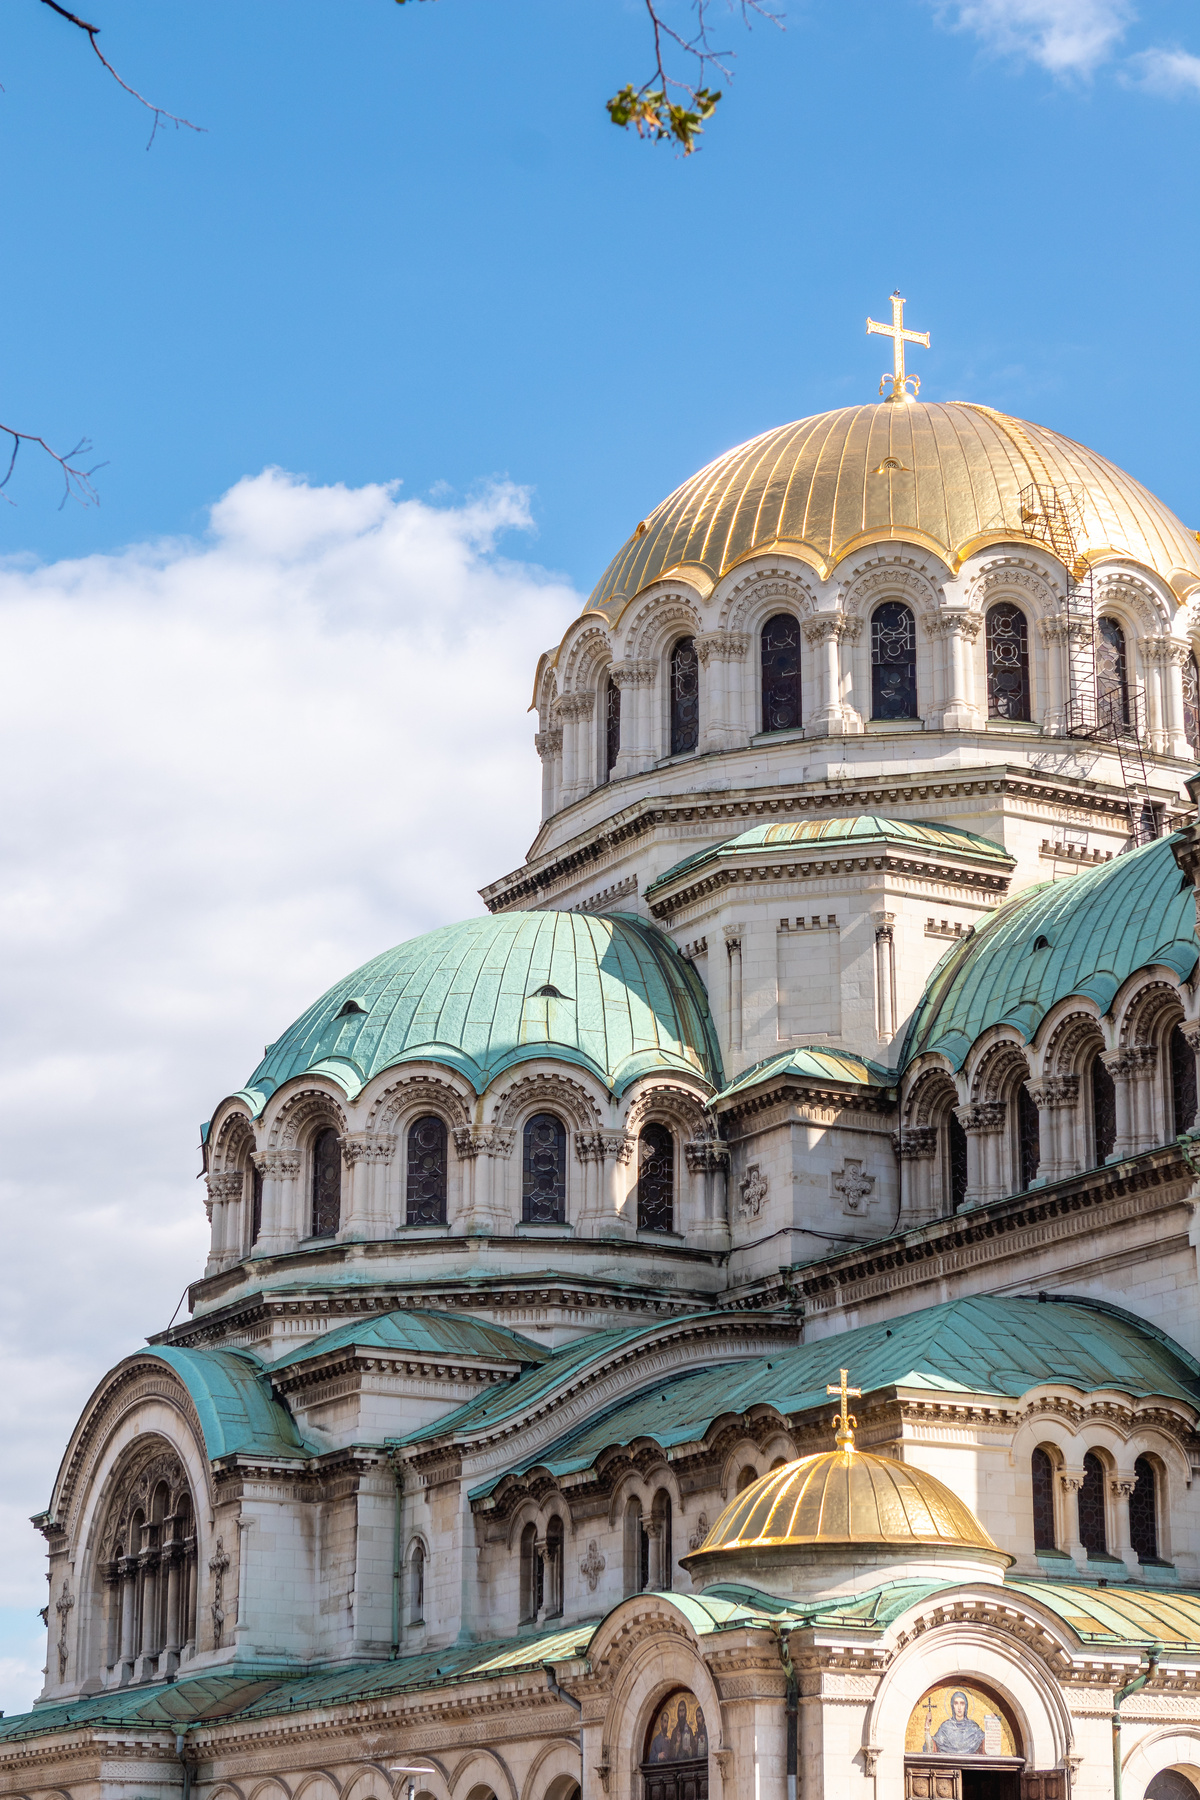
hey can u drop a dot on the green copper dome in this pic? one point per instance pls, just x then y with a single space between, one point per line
1084 936
611 994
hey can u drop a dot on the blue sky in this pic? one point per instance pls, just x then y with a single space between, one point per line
411 247
257 728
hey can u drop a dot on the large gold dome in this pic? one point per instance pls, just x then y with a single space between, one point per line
948 475
845 1496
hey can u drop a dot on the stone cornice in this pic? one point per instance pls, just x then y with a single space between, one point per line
984 877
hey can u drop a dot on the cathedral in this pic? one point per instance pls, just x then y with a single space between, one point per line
724 1321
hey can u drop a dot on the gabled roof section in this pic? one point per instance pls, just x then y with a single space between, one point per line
812 1063
609 994
421 1333
1083 936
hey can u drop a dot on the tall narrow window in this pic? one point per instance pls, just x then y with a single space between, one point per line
1093 1533
1007 662
256 1187
958 1161
416 1586
1104 1111
685 697
893 662
1042 1471
637 1549
531 1576
1191 703
553 1581
661 1519
1143 1512
326 1184
612 725
1183 1081
1028 1137
1112 674
656 1179
544 1171
425 1187
781 674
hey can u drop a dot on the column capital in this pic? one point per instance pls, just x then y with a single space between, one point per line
484 1140
631 674
722 646
983 1117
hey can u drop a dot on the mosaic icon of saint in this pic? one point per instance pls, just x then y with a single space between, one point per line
959 1735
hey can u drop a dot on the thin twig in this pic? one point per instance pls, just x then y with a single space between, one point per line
160 112
77 482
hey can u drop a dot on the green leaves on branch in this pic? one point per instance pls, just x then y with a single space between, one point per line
661 120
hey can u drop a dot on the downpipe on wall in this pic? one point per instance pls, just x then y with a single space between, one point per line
792 1713
182 1751
397 1553
1121 1695
560 1693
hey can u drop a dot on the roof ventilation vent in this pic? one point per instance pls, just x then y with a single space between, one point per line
350 1007
549 993
1041 943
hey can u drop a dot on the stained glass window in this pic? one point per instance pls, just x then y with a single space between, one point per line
544 1171
1028 1136
612 726
685 697
1191 703
1093 1534
893 662
425 1188
1112 674
256 1186
416 1589
1183 1081
1104 1111
1007 662
1042 1471
958 1162
656 1179
326 1184
781 674
1143 1512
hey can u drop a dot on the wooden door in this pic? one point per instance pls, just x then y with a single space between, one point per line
1044 1784
929 1781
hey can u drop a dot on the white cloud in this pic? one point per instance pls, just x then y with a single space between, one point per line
1067 37
229 772
1169 72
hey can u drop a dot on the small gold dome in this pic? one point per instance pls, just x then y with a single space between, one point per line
948 476
845 1496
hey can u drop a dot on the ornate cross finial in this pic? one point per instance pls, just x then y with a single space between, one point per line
844 1421
900 336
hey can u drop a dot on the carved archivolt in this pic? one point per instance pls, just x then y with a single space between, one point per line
929 1099
548 1093
755 599
1016 576
133 1491
588 650
1071 1043
1147 1012
672 1104
891 578
233 1143
998 1071
1136 598
418 1093
666 615
127 1390
299 1115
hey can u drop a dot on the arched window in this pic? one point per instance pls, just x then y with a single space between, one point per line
1183 1081
1143 1511
660 1518
147 1574
553 1584
1029 1149
1042 1471
685 697
1007 662
1093 1531
326 1183
425 1186
544 1171
1191 703
612 725
893 662
1104 1110
781 674
416 1585
1112 674
531 1576
675 1757
637 1549
957 1147
656 1179
256 1187
745 1477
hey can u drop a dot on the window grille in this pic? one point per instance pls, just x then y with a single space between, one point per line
256 1191
326 1184
958 1162
656 1179
544 1171
1104 1111
781 674
1042 1471
1183 1081
1191 703
612 726
1028 1137
1007 662
1112 674
685 697
893 662
425 1186
1143 1511
1093 1533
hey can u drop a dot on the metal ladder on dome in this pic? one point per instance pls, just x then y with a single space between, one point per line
1102 709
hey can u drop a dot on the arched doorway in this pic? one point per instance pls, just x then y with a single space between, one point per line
675 1758
962 1743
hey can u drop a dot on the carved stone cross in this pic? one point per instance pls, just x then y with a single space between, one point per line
853 1186
593 1565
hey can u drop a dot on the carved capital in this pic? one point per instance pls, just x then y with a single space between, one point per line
946 624
824 627
722 646
548 743
575 706
705 1155
484 1140
368 1146
918 1143
983 1118
227 1186
280 1163
631 674
602 1146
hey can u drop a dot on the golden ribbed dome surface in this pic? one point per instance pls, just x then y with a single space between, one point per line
845 1497
947 474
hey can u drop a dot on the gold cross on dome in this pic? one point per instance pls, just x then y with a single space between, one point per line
900 335
844 1421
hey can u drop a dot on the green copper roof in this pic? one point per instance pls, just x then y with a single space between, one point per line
422 1333
813 1064
1085 935
238 1412
474 996
863 833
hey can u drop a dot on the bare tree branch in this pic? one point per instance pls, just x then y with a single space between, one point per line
650 109
77 482
161 115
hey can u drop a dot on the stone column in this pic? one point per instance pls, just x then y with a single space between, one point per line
575 711
128 1572
708 1159
959 710
917 1148
1123 1069
366 1156
724 726
1121 1487
1056 1098
225 1213
1191 1037
1071 1484
885 975
1157 654
825 634
654 1536
482 1148
1079 698
548 745
733 949
279 1170
636 683
1173 722
1050 704
984 1124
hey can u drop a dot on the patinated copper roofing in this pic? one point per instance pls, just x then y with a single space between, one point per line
948 475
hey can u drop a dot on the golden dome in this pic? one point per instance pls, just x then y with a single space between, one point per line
845 1496
946 475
